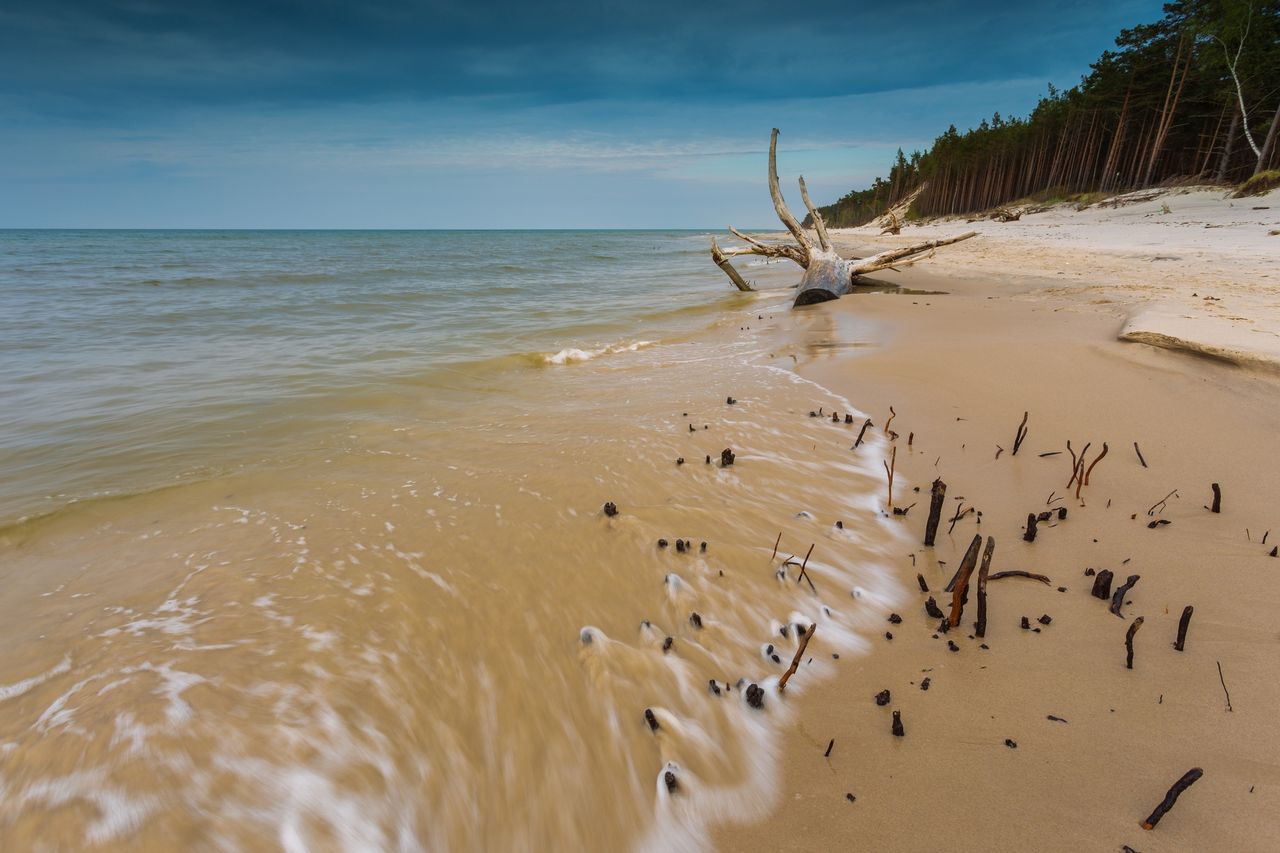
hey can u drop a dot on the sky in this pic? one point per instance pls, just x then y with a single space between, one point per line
481 114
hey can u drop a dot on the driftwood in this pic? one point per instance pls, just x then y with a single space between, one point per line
936 498
795 661
1128 642
1102 584
1217 498
1188 779
1018 573
1117 598
960 583
1022 434
980 627
826 275
1183 624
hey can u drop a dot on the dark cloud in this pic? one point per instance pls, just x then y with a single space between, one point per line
119 56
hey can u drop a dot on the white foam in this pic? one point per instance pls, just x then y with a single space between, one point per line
569 355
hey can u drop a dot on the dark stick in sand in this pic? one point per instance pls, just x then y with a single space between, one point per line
861 433
1217 498
1181 642
1223 682
830 744
1030 534
1102 584
1188 779
898 731
1018 573
1094 465
775 547
961 512
936 498
1139 452
1117 600
970 554
980 628
795 661
924 587
1159 505
1128 642
892 415
802 568
960 586
1022 434
888 469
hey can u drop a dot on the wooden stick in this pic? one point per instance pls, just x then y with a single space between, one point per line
1217 498
775 547
924 587
1139 452
960 588
892 415
961 512
802 568
936 498
795 661
1022 434
898 731
1128 642
1188 779
888 469
1094 465
980 628
861 433
1223 682
1018 573
1182 627
1030 534
1117 600
1102 584
972 552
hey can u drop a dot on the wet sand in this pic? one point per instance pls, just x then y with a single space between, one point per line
960 369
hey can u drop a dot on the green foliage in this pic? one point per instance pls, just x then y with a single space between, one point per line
1162 107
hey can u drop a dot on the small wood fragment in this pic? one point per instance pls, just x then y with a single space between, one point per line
1018 573
795 661
1117 599
924 587
1030 534
1021 434
1139 452
980 627
830 744
898 731
866 424
1188 779
1128 641
1102 584
936 498
1217 498
960 586
1183 623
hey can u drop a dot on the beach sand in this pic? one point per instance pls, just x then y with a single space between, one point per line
1031 320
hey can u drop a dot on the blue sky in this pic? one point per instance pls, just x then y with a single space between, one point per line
494 114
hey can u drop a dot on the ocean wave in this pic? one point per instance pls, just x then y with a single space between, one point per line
568 355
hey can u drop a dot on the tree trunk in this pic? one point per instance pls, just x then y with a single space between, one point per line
1228 145
827 276
1270 144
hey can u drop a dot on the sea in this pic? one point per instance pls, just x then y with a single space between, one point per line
415 540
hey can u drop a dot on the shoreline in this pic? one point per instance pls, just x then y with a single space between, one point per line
960 369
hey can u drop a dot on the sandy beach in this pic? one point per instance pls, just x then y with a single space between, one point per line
1043 739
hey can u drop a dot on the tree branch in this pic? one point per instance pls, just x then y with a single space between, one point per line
780 206
818 225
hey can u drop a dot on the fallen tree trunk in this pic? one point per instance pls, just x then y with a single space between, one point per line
827 276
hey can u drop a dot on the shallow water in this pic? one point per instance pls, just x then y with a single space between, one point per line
347 583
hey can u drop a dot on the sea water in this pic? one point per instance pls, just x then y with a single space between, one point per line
303 543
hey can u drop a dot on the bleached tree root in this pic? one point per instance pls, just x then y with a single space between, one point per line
827 276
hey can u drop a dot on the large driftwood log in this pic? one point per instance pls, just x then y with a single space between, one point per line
826 275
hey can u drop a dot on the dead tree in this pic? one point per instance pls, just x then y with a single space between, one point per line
827 276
